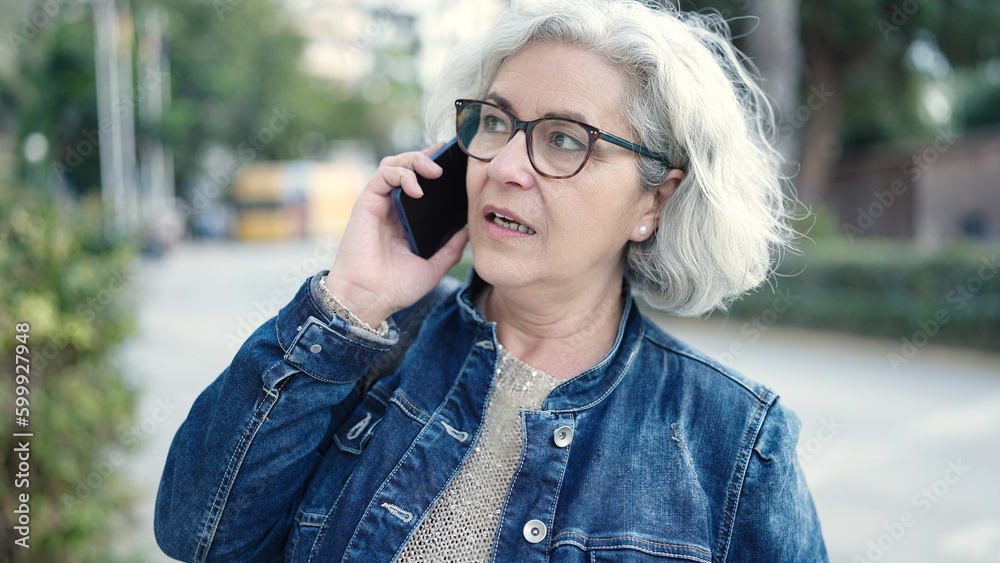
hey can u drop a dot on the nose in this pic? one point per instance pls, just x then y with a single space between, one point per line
511 167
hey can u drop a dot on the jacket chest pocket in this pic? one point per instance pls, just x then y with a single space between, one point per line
567 554
357 429
574 547
304 532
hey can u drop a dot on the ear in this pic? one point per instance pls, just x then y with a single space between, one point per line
651 218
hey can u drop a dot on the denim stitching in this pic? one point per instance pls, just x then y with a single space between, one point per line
593 552
344 447
732 500
413 445
325 526
277 334
215 511
385 394
302 522
380 489
714 367
404 515
590 539
513 480
555 497
455 433
441 407
327 333
628 364
414 407
451 392
299 520
358 428
296 535
391 398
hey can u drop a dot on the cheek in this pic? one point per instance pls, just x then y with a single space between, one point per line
588 222
475 177
614 205
475 181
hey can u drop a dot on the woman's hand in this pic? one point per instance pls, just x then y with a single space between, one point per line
374 273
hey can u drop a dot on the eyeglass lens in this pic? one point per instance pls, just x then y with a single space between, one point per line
556 147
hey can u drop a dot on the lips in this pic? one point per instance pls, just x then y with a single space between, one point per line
508 222
507 219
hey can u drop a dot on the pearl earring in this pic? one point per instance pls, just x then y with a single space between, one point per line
643 229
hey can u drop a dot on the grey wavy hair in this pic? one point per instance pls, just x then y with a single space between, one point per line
691 99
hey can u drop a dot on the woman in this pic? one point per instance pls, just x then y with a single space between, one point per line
531 414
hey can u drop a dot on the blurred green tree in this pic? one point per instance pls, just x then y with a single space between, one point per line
47 84
869 67
234 66
881 59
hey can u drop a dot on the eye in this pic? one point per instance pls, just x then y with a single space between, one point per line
566 140
494 124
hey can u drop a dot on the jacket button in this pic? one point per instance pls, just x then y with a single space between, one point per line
534 531
563 436
315 348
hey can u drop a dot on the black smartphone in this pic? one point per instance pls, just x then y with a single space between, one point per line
443 210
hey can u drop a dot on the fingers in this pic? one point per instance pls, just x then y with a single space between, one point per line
419 161
402 169
388 178
449 254
424 165
433 149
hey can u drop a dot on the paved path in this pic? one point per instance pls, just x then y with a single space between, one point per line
903 464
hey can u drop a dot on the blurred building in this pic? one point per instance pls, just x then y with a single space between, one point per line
284 200
389 51
343 36
941 190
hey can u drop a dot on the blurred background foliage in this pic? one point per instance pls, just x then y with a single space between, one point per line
63 277
874 74
228 74
885 288
894 71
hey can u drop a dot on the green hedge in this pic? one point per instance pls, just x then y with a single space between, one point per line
888 289
882 288
70 285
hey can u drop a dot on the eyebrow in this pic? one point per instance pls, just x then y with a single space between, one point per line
504 103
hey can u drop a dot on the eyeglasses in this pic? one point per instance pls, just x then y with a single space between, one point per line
557 148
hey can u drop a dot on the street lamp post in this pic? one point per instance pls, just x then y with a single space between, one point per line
113 58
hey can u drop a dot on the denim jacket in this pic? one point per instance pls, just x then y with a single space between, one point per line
324 442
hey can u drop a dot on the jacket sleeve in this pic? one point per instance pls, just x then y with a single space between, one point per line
239 463
776 520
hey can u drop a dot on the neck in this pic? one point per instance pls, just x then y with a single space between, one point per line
563 331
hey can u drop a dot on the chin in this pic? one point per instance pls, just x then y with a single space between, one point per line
487 266
499 270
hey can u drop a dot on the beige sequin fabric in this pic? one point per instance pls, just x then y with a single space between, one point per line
463 522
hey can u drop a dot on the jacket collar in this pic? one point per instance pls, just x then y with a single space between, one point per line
592 386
